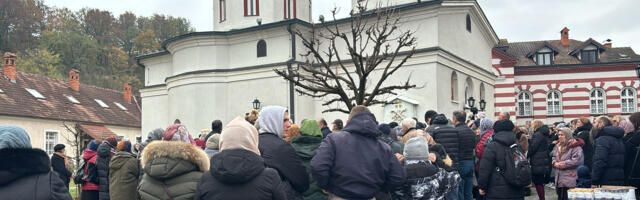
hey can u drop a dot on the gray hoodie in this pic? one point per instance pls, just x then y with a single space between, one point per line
271 119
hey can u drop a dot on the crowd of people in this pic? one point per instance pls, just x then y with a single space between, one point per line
265 156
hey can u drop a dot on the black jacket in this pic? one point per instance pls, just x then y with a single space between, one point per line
239 174
26 174
539 155
631 145
325 131
495 184
447 136
102 164
583 133
608 159
57 164
466 142
353 164
280 155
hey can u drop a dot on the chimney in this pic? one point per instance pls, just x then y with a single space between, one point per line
607 45
564 35
127 92
10 66
74 79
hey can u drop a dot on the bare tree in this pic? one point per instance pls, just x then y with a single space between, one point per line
372 42
75 140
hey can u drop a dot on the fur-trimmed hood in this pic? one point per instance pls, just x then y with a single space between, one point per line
17 163
167 159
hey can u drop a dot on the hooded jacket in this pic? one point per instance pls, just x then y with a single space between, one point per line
172 170
25 174
124 171
447 136
583 133
353 164
102 163
571 159
539 155
495 184
388 137
90 156
608 158
305 146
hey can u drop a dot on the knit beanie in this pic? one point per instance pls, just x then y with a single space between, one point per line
385 129
214 142
13 137
93 146
503 125
112 142
416 149
125 146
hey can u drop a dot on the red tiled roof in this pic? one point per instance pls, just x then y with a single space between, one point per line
96 131
16 101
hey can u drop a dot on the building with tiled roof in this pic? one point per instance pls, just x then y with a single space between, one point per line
50 110
560 80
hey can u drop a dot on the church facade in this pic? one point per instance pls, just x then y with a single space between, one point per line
202 76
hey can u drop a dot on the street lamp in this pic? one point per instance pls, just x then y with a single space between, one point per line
638 71
256 104
471 106
471 101
483 105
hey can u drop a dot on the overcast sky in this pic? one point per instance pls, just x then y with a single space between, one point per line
516 20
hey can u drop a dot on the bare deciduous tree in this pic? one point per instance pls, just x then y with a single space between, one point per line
372 42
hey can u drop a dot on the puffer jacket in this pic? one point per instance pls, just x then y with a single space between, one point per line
608 159
466 142
447 136
25 174
426 181
571 159
538 155
124 171
495 184
102 163
305 147
583 133
239 174
172 170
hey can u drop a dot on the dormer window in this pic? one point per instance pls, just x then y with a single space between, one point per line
589 54
544 56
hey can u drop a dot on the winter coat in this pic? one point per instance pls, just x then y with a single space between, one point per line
102 163
538 155
57 164
353 164
396 146
447 136
571 159
325 131
172 170
26 174
305 147
480 147
583 133
426 181
466 142
443 160
124 171
493 183
280 155
631 144
608 158
239 174
90 157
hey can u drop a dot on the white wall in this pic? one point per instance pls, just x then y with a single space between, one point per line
270 11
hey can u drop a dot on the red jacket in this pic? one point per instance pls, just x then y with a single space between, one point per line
90 156
480 147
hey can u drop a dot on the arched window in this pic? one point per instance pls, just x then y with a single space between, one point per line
468 90
597 101
524 104
628 97
554 103
454 86
468 23
262 48
481 90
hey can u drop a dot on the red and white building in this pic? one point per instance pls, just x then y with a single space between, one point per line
560 80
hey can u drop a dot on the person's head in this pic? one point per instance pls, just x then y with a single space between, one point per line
419 133
429 115
357 110
393 125
293 131
583 121
13 137
635 120
137 147
385 129
421 125
177 121
322 122
574 123
213 142
564 135
59 148
481 115
310 127
440 119
252 116
239 134
124 145
459 117
521 132
337 125
503 125
416 149
602 121
408 123
627 126
111 141
156 134
485 125
274 120
527 124
536 124
93 145
216 126
504 115
615 120
177 132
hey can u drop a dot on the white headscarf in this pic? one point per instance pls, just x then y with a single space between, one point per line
271 120
239 134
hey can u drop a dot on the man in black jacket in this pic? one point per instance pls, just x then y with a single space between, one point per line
466 145
353 163
608 159
60 164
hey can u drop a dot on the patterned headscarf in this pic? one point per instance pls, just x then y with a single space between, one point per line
485 125
177 132
627 126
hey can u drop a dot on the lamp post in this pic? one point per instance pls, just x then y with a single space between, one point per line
483 105
471 106
256 104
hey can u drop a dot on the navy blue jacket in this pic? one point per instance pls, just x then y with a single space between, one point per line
608 159
353 164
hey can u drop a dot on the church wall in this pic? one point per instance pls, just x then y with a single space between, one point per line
454 37
155 110
157 69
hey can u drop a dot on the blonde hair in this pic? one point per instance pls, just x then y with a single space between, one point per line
294 130
252 117
536 124
418 133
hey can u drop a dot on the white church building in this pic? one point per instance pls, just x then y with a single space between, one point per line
202 76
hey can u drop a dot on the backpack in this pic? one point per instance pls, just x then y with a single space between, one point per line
517 171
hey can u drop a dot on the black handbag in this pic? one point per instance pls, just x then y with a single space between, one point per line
87 173
80 173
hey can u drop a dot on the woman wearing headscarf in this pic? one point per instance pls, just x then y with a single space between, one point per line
280 155
124 172
424 179
538 155
486 130
583 130
566 160
305 146
238 171
213 145
178 132
25 173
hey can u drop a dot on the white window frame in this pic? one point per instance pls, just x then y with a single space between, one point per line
550 108
628 107
101 103
527 109
57 140
72 99
120 106
600 108
35 93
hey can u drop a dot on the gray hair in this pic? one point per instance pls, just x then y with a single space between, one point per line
408 122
